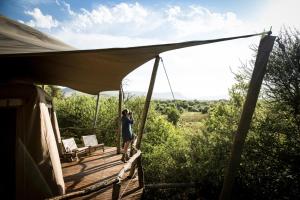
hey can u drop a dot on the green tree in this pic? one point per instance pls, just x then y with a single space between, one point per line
76 116
53 91
173 116
282 80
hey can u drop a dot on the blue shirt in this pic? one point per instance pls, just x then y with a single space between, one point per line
126 128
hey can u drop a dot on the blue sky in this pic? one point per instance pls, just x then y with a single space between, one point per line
15 8
197 72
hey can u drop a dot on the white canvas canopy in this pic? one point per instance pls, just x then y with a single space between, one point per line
35 57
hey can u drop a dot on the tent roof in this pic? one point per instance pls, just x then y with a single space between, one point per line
29 55
19 38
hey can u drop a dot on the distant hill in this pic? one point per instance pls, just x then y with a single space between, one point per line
161 96
68 92
156 95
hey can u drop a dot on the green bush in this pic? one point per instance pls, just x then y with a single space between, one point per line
76 117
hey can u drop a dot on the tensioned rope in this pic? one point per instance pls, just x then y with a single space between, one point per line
167 78
133 176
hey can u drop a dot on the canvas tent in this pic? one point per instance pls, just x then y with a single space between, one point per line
38 169
31 57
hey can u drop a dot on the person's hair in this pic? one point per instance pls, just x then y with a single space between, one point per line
125 111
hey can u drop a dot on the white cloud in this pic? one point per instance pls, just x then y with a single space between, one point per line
197 20
106 19
70 11
57 2
173 12
40 20
137 22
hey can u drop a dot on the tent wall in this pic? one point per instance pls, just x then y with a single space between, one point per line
7 142
38 168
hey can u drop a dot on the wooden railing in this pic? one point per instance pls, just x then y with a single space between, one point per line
136 158
116 181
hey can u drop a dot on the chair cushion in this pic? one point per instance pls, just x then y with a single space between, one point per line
90 140
82 148
69 144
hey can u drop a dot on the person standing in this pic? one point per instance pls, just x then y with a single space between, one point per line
127 135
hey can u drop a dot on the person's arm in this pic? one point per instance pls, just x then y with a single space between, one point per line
130 118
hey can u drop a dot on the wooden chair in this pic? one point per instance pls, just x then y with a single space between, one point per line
92 142
71 150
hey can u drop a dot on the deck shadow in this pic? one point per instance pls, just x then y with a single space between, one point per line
86 159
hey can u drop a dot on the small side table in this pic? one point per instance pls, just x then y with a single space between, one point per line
70 156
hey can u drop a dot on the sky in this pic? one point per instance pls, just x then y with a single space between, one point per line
201 72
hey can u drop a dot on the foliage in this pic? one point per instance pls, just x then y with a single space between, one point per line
192 117
53 91
282 79
163 106
270 154
76 117
173 116
166 151
75 111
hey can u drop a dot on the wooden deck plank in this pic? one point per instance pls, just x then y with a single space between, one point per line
98 167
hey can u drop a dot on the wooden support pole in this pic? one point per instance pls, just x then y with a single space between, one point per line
145 111
132 169
119 132
97 110
264 49
140 172
132 151
147 103
116 191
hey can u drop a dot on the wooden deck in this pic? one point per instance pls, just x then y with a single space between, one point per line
98 167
